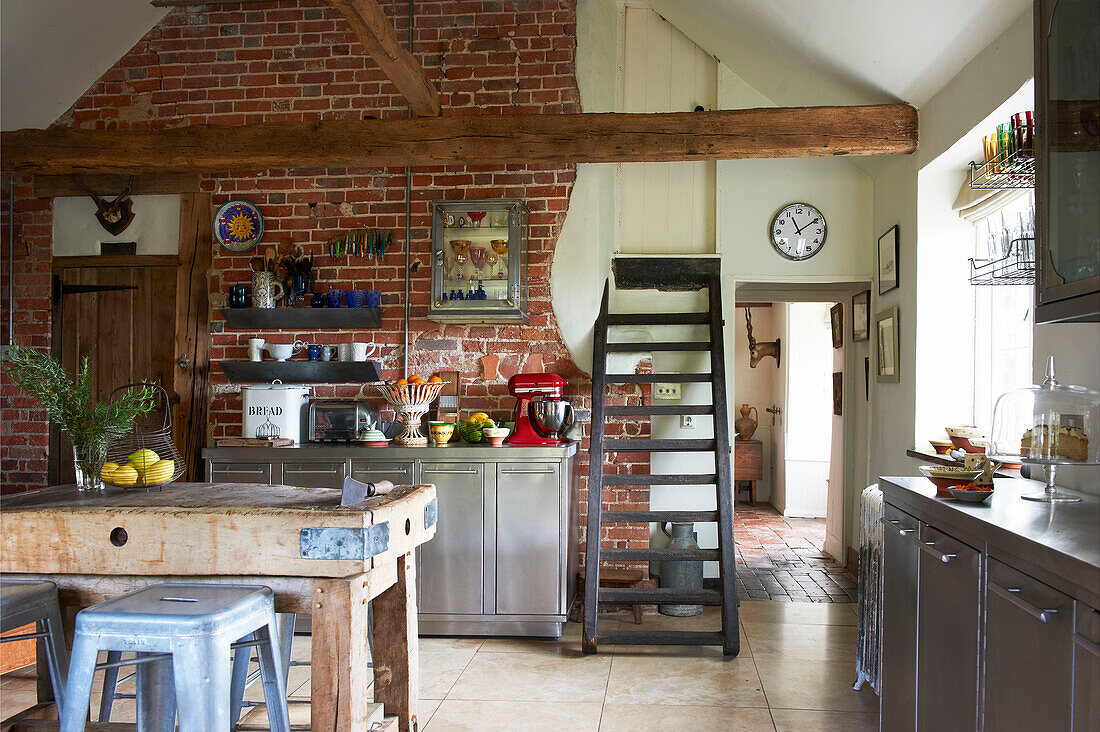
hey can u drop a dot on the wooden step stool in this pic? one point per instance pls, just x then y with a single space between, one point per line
616 577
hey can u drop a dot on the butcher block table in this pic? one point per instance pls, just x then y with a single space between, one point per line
317 556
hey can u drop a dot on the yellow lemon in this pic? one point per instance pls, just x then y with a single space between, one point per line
107 469
142 460
160 471
478 417
124 475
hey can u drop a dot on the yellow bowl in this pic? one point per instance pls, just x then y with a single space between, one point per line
442 433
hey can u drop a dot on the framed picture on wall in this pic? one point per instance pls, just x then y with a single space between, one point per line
888 261
836 318
887 367
838 393
861 316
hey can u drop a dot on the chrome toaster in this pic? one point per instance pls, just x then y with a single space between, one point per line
334 421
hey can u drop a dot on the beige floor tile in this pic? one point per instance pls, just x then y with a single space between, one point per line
450 644
440 669
666 717
533 677
801 720
427 709
257 717
826 685
808 642
515 716
568 645
691 680
299 677
709 620
13 701
805 613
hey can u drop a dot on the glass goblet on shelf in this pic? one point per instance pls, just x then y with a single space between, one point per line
500 246
460 261
478 256
491 260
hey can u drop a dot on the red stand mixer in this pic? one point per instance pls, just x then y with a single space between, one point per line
542 416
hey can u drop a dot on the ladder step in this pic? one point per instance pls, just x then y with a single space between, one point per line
668 479
639 517
656 378
664 595
657 318
654 346
658 445
662 637
659 555
674 410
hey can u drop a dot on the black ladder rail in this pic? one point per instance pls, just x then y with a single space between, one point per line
706 275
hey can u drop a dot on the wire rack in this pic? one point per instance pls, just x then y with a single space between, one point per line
1015 268
124 446
1007 170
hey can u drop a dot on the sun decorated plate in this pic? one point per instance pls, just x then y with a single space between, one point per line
238 226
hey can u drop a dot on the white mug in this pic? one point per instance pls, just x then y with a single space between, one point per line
343 352
283 351
360 352
255 349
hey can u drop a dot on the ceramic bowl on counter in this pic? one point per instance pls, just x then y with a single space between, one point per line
969 496
495 435
942 447
971 439
372 438
945 476
442 432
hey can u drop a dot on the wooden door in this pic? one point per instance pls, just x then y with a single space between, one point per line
122 319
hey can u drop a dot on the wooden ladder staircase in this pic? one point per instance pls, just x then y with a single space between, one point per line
664 274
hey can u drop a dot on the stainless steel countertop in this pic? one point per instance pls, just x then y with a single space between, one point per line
455 451
1058 544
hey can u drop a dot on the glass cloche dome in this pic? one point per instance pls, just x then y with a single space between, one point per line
1048 425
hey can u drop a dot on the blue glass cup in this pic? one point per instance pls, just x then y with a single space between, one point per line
314 352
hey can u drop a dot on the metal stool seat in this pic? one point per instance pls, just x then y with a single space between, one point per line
182 636
23 603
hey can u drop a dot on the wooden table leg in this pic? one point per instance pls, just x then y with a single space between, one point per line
339 686
397 647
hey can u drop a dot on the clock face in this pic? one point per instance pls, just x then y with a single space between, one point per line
798 231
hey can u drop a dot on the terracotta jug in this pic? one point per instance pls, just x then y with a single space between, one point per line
745 426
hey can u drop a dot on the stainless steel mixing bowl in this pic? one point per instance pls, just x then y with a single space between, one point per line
551 417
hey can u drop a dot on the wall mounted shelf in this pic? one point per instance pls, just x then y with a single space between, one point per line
302 318
302 372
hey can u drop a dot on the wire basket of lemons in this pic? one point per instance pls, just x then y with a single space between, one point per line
142 456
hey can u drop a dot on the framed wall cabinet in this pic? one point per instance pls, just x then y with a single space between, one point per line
479 261
1067 96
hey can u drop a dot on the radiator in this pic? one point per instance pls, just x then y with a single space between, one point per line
869 631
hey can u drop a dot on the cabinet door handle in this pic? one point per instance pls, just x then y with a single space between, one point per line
930 547
896 526
310 471
1085 643
371 471
1012 594
450 472
547 471
253 471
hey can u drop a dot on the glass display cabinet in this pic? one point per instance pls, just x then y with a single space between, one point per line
479 261
1067 94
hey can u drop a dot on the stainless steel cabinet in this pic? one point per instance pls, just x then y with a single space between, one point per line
530 557
899 620
452 566
371 471
314 474
948 628
1086 669
1028 627
218 472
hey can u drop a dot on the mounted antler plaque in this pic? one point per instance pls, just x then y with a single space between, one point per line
759 351
113 215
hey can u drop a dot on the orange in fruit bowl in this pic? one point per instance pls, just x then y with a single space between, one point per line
414 379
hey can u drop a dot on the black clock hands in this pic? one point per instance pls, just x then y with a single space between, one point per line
798 229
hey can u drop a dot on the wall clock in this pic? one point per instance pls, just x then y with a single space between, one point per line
798 231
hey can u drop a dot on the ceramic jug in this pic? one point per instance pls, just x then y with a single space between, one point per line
266 289
745 426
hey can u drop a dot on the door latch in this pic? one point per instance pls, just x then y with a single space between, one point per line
184 361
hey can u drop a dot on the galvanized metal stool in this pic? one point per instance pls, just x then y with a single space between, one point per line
23 603
182 635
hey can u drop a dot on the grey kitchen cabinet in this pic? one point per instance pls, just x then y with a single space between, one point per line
1028 626
948 628
239 472
1006 637
530 557
452 565
314 473
1086 668
372 471
900 535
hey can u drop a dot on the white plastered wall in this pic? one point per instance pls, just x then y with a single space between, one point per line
77 232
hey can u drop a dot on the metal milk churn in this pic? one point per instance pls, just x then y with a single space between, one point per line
681 575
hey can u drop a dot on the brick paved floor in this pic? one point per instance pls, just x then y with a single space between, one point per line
782 559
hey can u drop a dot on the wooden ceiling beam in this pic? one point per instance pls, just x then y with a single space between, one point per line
373 29
773 132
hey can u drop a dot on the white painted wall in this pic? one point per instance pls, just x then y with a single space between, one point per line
754 386
781 327
155 228
808 409
834 511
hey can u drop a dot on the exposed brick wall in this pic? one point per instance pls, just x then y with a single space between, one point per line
262 62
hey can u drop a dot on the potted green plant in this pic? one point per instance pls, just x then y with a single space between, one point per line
83 420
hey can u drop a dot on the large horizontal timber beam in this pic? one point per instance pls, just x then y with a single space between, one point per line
774 132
